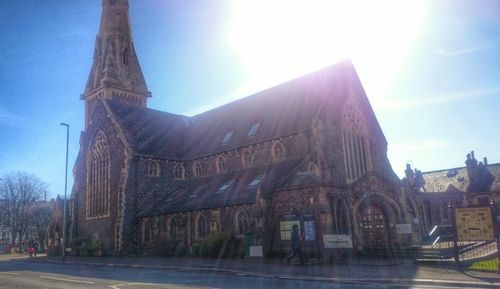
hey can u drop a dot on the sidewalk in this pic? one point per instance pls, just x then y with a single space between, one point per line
396 274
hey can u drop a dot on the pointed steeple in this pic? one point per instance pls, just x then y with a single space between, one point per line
115 73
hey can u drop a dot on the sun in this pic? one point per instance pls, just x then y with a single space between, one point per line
277 40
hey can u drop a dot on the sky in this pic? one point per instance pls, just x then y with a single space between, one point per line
431 69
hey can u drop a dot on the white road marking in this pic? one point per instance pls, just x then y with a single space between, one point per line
117 286
66 280
10 273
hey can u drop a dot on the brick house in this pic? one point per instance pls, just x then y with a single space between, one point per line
309 151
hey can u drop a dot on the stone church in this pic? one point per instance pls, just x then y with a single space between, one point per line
309 152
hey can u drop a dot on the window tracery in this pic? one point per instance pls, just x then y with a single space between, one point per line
154 168
278 151
98 173
179 172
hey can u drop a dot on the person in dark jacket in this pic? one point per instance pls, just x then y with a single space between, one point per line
296 245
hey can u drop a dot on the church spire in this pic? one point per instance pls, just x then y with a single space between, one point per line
115 73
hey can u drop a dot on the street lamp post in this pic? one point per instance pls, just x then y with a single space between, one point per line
65 192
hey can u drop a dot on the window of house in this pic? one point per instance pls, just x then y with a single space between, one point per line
255 182
227 137
98 174
241 223
253 129
355 140
197 172
154 168
247 158
179 171
278 151
221 164
225 186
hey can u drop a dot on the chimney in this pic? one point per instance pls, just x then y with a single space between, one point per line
485 161
472 154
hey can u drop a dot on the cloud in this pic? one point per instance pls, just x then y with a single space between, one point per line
467 50
416 101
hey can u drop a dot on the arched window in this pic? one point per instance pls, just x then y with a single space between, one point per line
201 227
314 169
98 174
356 146
247 158
179 171
173 230
147 231
241 223
197 172
154 168
278 151
221 164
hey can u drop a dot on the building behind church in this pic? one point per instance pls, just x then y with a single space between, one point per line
309 152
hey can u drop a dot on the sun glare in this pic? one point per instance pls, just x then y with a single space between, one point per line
280 39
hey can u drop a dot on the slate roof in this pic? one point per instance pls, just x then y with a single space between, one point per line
204 193
281 110
456 179
151 132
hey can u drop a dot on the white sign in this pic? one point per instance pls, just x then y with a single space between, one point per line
403 229
337 241
256 251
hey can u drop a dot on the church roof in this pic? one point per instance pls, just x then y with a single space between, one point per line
275 112
235 188
151 132
456 179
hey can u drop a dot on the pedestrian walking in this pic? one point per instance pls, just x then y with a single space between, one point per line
296 245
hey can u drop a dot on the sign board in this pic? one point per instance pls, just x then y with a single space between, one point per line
403 229
337 241
310 233
256 251
474 224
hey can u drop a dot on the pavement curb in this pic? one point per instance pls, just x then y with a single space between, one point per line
404 281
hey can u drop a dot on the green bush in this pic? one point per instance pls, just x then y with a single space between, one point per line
165 248
181 250
195 250
221 245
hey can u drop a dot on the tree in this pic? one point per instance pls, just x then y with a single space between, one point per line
19 192
40 217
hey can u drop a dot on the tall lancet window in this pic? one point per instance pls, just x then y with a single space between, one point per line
97 201
356 146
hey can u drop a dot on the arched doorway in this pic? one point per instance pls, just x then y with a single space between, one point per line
373 226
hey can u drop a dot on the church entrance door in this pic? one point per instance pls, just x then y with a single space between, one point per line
373 226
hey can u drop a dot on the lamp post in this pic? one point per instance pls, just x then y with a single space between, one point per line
65 192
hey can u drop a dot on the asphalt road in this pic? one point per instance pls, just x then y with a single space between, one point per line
28 275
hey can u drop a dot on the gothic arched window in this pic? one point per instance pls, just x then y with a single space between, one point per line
278 151
221 164
179 171
154 168
356 146
241 223
173 230
197 172
98 168
314 169
201 227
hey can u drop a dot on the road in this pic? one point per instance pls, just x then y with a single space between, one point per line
17 274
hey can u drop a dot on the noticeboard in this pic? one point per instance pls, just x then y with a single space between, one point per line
337 241
474 224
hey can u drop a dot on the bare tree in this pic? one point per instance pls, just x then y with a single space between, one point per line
19 192
40 218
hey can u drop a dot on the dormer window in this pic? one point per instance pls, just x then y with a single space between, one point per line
313 169
197 172
225 186
154 169
253 129
227 137
255 182
179 172
221 164
278 151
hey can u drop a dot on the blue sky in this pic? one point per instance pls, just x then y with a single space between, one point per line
431 69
